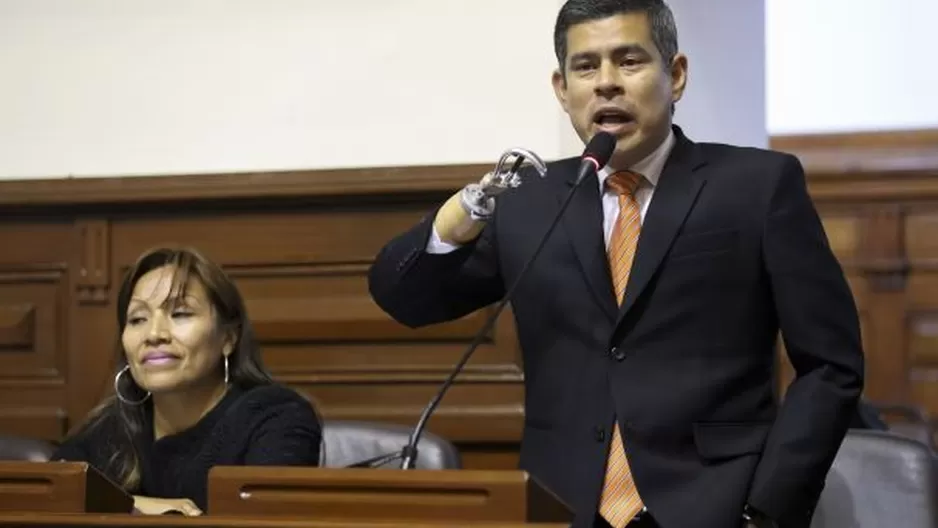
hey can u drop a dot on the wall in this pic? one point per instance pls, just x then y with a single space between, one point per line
120 87
846 66
725 99
129 87
125 87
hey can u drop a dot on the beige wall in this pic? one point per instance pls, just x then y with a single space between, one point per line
123 87
105 87
850 65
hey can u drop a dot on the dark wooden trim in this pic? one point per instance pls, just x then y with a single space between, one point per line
871 167
856 140
234 186
839 166
902 154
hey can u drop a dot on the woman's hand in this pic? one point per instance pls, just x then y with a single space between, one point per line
155 506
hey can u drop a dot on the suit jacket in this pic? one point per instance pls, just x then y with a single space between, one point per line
731 252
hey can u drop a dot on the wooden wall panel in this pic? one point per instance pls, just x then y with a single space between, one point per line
299 244
31 326
34 310
877 194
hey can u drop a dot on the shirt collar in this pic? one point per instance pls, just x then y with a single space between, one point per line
650 167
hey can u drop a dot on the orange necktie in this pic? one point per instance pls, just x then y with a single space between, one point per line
620 501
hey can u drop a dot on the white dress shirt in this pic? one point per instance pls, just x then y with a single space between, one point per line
650 168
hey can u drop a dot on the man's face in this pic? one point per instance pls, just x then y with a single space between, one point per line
616 81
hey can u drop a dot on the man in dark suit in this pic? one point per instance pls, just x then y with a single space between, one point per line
649 323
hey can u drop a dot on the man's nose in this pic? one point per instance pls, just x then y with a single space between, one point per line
608 82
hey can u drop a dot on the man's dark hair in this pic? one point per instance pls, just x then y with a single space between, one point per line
660 18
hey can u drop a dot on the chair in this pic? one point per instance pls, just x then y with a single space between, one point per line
880 479
21 448
347 442
910 421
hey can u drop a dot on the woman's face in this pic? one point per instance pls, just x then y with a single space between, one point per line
172 344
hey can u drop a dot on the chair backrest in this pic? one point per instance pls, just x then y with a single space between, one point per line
918 431
14 447
880 479
911 421
347 442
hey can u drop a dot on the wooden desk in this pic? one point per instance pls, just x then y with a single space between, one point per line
10 520
59 487
365 495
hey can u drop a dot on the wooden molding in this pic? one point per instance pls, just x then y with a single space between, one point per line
17 326
883 167
904 154
253 186
839 166
92 281
857 140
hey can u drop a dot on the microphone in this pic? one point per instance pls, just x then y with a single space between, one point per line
595 156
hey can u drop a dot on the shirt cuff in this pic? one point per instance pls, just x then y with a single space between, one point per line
436 245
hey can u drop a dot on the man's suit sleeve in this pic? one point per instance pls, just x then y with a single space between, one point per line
419 288
820 328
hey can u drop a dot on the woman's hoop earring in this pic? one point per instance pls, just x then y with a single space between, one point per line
226 370
117 389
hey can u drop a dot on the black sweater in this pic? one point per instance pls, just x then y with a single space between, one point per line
268 425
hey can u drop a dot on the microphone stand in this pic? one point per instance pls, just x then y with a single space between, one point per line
377 461
409 452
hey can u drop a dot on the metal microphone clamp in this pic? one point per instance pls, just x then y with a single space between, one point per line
478 199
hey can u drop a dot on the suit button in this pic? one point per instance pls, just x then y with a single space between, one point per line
600 434
617 354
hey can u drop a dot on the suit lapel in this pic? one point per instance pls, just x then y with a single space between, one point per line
673 198
583 222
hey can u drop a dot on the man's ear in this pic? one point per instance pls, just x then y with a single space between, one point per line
560 88
678 77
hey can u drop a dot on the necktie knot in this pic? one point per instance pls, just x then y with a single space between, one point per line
624 182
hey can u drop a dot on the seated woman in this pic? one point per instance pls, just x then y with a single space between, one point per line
190 391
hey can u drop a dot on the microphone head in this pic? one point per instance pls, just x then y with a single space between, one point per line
600 149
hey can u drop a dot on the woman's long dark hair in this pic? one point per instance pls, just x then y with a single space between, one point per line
245 368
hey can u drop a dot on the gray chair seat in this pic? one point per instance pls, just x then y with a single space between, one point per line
13 447
880 480
347 442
